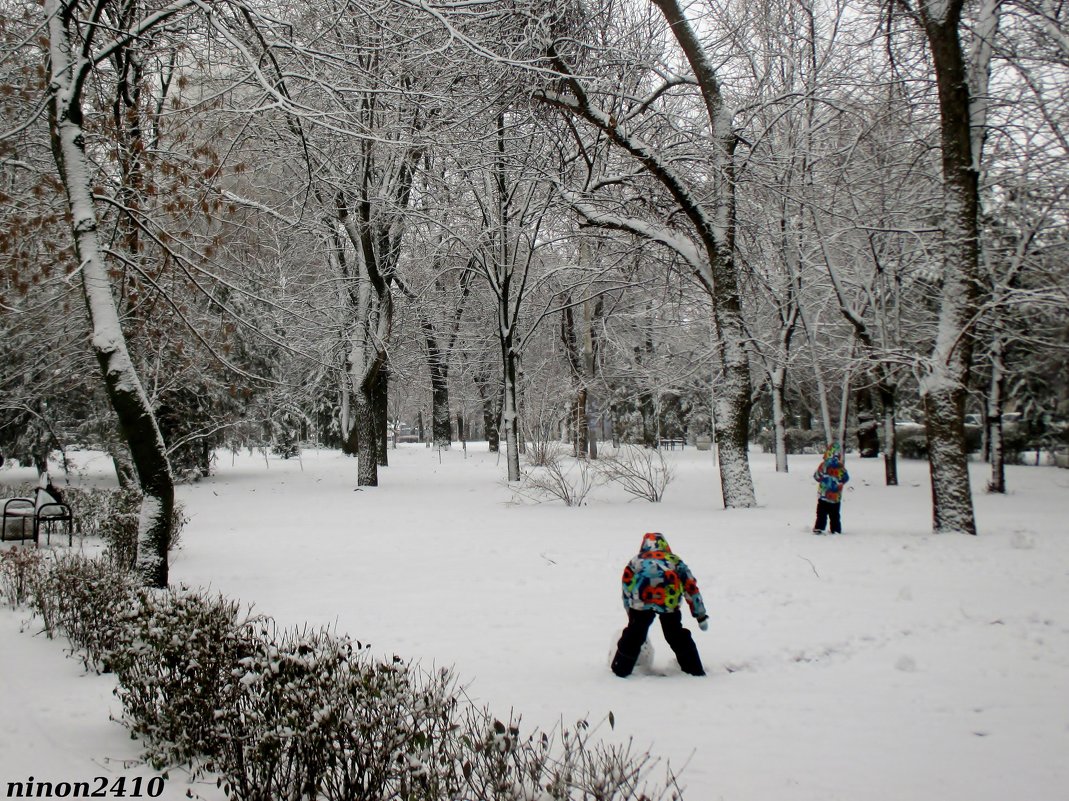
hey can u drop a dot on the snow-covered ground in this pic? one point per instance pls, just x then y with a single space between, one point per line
887 664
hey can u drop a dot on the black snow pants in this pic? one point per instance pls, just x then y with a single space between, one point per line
828 512
677 637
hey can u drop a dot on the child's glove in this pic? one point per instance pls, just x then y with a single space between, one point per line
703 622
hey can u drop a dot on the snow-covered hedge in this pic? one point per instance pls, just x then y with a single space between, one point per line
71 594
174 660
307 714
86 600
19 570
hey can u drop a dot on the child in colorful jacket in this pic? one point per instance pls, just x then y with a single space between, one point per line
830 476
654 583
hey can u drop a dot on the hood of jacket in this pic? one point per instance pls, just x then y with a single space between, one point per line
654 542
833 455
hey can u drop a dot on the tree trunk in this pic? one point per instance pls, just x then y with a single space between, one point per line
996 449
943 388
779 421
345 420
951 499
510 410
40 440
890 438
351 443
439 370
440 427
593 421
731 426
868 428
732 402
367 462
382 416
124 389
573 351
489 401
125 473
580 433
490 417
646 407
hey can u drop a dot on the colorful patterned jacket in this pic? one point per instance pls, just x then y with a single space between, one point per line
657 579
831 475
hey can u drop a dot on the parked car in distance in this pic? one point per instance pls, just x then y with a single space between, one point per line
402 432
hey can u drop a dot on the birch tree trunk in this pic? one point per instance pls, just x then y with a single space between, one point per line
124 389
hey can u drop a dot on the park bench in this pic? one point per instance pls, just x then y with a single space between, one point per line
43 512
671 444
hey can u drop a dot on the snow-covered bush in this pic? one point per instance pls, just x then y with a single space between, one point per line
543 450
83 598
318 717
393 731
494 761
286 427
20 570
118 525
561 478
497 763
90 506
641 472
275 734
175 664
87 600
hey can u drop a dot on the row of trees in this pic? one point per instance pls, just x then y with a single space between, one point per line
568 212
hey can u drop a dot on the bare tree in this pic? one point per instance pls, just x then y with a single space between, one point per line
512 202
78 45
708 245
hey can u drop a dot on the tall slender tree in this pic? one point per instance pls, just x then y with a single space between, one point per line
78 45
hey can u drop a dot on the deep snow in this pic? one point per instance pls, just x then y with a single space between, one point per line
884 664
